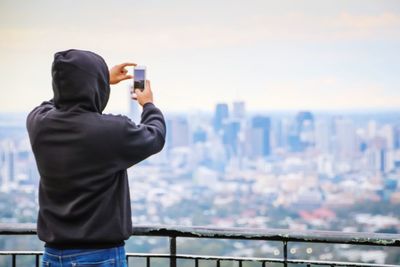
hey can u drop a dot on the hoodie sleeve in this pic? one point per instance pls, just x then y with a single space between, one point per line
141 141
36 113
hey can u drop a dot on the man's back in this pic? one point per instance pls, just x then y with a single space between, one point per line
82 157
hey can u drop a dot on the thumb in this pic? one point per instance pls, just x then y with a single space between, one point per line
127 77
138 91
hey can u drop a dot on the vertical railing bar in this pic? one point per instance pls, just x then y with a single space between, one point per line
285 253
218 263
172 251
127 260
147 261
196 262
37 260
263 264
240 264
14 260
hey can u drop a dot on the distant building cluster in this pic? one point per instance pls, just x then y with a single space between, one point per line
233 167
17 166
340 143
297 170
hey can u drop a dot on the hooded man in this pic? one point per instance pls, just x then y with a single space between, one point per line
82 156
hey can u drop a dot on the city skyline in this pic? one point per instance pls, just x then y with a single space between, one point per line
296 171
298 55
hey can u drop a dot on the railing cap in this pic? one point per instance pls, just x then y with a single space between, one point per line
285 235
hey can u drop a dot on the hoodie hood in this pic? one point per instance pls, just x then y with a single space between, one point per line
80 81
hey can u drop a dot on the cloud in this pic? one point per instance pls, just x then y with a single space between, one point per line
213 33
324 94
251 41
349 26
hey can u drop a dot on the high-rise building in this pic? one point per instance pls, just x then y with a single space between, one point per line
396 136
231 137
199 136
239 110
282 132
7 157
178 132
345 145
135 111
301 134
322 136
254 142
387 132
221 114
305 128
263 124
372 129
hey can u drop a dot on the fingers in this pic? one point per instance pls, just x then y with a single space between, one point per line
133 94
127 64
148 85
126 77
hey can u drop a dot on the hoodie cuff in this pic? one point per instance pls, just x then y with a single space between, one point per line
148 104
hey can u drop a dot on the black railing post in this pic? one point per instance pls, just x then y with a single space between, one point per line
285 253
14 260
172 251
147 261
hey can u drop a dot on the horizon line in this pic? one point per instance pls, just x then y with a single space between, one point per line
273 110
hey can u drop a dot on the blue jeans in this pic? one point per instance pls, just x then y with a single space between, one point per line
106 257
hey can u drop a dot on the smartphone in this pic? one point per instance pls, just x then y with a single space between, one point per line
139 78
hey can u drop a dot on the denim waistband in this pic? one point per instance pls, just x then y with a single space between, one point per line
118 252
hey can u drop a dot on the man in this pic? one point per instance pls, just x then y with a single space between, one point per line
82 156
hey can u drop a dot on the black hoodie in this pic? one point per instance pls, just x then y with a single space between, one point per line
82 156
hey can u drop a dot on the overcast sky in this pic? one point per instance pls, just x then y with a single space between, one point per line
296 54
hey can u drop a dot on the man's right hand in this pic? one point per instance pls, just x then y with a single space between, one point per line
143 97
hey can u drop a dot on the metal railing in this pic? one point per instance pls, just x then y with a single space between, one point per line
284 236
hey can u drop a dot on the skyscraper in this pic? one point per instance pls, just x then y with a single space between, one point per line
199 136
178 132
396 136
346 146
239 110
221 114
305 128
263 124
134 111
301 134
230 137
322 136
7 157
282 132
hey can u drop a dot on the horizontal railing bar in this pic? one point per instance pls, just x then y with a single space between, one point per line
336 237
271 260
20 252
355 238
226 258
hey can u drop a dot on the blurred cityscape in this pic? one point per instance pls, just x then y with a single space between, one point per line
234 168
